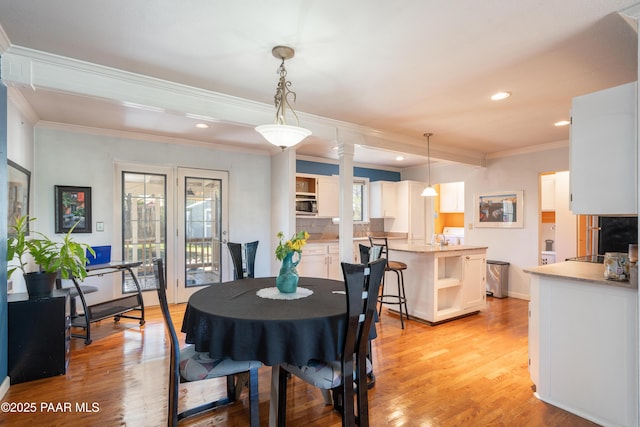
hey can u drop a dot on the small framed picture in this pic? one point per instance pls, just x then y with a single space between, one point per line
18 195
73 208
500 209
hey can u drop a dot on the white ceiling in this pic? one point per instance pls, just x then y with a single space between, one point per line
402 68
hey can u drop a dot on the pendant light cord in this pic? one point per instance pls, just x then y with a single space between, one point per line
428 158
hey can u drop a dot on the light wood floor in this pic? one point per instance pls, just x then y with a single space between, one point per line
469 372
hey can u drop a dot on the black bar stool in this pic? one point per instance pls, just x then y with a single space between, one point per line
397 267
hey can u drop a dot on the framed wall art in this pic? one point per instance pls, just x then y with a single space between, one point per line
500 209
73 207
19 180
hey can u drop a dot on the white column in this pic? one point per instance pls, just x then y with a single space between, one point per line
283 190
345 153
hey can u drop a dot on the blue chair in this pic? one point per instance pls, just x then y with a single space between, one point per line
362 285
190 365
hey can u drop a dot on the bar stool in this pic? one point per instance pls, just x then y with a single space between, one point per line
397 267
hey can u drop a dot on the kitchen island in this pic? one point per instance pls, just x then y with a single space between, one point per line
583 342
441 282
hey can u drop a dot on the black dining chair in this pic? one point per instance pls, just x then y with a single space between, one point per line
368 254
189 365
362 284
247 268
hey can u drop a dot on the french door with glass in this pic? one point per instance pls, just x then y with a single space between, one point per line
202 230
185 224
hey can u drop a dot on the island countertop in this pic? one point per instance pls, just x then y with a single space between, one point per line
426 248
581 271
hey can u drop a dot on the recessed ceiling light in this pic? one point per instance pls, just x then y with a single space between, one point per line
399 158
202 126
500 96
562 123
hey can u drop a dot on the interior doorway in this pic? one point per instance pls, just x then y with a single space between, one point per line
558 226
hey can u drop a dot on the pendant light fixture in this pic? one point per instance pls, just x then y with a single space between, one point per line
279 133
429 191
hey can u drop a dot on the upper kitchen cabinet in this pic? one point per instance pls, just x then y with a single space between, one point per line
603 152
413 215
548 193
328 196
306 195
382 195
452 197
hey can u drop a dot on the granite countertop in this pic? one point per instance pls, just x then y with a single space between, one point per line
581 271
336 239
427 248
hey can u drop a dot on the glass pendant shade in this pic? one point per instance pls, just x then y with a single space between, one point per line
283 136
429 192
279 133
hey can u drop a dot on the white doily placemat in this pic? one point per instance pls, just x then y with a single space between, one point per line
274 293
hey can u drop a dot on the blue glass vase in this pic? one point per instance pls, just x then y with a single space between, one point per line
287 280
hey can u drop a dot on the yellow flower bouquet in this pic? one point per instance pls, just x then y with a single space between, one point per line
287 280
294 244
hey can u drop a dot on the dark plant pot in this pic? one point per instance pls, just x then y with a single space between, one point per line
40 284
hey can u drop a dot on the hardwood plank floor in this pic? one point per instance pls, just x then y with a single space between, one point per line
469 372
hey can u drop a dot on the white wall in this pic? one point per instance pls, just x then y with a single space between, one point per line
19 136
77 159
518 246
19 150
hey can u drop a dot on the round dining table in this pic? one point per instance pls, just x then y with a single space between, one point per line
249 319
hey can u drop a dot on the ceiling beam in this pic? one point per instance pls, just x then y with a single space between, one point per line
37 70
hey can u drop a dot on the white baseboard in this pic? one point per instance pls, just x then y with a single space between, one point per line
4 388
518 295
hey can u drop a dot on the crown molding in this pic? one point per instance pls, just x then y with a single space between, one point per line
23 106
5 43
139 136
530 149
631 15
37 70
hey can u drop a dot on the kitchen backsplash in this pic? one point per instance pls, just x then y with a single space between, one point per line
324 228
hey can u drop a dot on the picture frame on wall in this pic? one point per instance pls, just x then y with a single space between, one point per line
499 209
73 207
19 182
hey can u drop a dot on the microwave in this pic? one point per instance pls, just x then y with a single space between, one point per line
306 207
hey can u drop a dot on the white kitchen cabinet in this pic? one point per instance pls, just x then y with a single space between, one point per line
603 152
328 196
583 347
413 215
442 284
333 256
382 195
452 197
474 268
548 193
320 260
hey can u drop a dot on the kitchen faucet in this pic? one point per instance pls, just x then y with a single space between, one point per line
443 240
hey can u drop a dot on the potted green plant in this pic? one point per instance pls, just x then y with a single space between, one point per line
68 258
